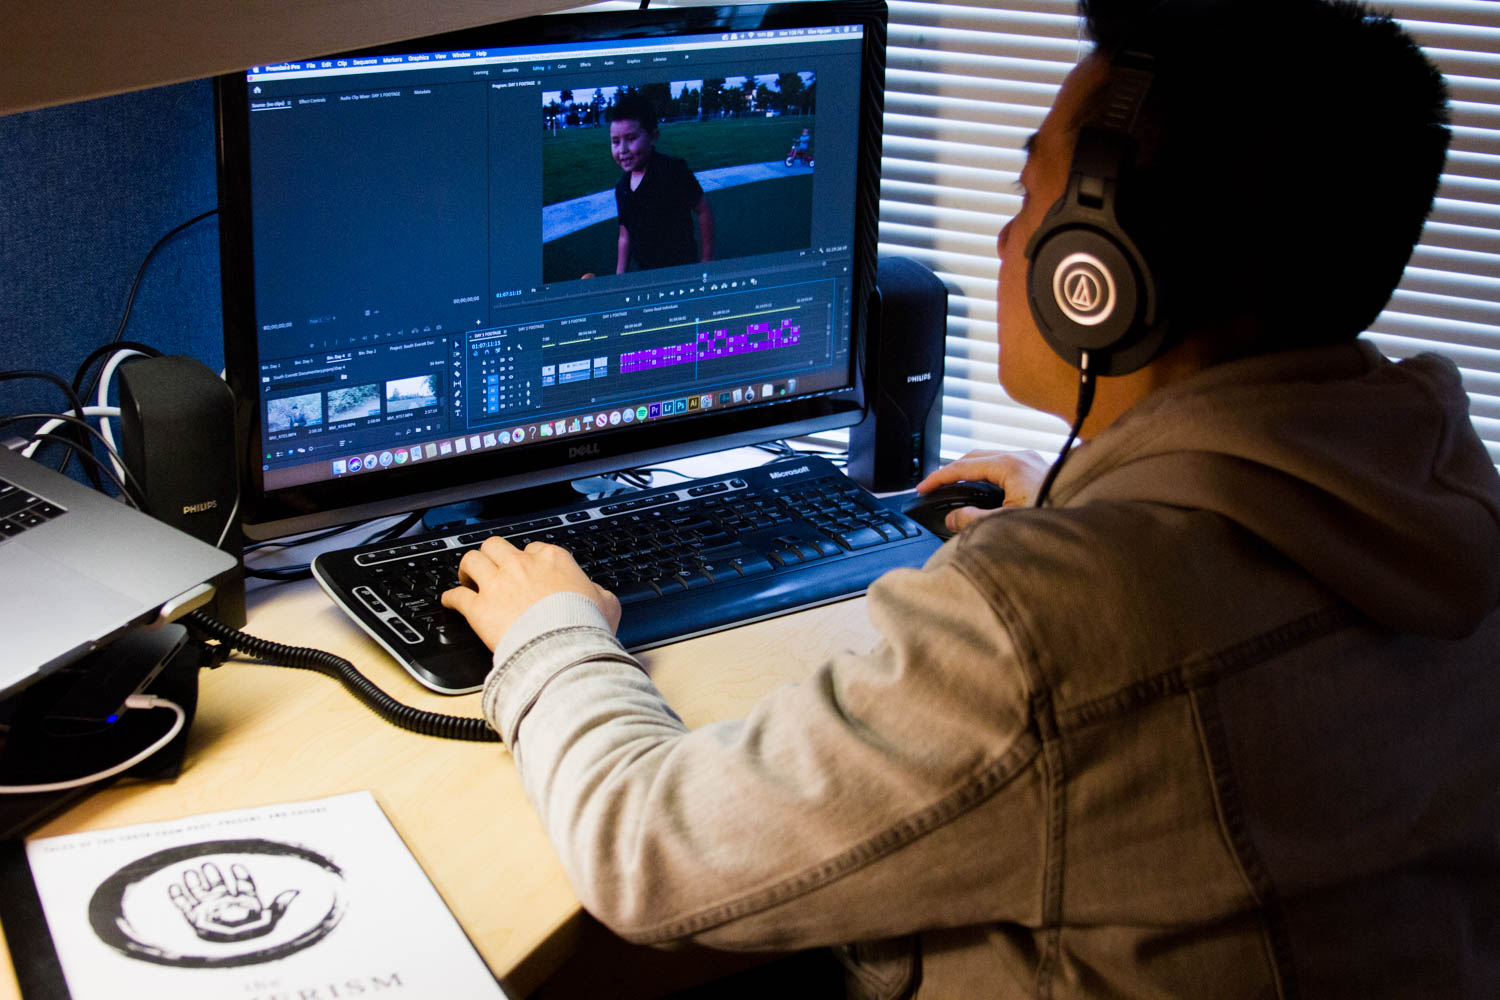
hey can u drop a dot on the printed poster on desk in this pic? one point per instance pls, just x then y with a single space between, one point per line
301 900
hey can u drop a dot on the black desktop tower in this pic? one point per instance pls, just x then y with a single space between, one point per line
177 429
897 442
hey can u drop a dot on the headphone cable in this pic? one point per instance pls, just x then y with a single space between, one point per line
1086 382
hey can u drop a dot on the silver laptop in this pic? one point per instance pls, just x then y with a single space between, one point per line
78 568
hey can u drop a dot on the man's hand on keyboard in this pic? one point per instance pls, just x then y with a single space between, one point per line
499 581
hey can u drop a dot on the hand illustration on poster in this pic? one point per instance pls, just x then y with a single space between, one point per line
227 912
175 907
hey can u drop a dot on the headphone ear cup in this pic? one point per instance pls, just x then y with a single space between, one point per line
1085 293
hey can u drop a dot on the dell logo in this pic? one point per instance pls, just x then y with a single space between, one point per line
583 450
198 508
924 377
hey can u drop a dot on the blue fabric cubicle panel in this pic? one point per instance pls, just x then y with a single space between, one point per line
85 190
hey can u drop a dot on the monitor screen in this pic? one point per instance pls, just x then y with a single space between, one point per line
474 262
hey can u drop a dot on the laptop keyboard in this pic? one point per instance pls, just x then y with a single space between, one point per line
20 510
685 559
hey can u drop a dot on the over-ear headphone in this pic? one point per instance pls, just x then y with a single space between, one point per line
1092 292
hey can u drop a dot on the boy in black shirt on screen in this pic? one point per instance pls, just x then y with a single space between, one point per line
658 199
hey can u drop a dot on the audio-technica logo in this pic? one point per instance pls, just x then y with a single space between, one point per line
924 377
1084 289
583 450
198 508
801 470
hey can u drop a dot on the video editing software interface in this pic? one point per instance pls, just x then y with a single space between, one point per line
437 242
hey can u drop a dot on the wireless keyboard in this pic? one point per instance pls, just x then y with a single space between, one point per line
684 559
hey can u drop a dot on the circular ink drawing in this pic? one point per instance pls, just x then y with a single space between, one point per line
219 904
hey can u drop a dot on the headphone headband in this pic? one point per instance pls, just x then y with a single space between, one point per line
1130 77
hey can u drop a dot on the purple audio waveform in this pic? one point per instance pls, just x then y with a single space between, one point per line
714 344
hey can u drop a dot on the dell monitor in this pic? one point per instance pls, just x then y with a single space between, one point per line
440 282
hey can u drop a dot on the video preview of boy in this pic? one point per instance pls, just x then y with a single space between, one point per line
676 173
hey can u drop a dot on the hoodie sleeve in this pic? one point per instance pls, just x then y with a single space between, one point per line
909 773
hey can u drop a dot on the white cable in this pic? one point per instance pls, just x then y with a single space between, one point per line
229 522
47 428
134 701
235 510
105 377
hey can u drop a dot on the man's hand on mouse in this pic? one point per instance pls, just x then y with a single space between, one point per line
499 581
1018 473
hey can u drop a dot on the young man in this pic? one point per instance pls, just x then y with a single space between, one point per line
1219 719
658 200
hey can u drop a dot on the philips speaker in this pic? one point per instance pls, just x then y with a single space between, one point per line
897 442
177 428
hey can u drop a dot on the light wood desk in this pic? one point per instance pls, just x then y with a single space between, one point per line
270 734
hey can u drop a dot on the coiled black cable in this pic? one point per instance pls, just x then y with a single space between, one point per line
448 727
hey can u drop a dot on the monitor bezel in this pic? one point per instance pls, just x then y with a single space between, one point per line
330 502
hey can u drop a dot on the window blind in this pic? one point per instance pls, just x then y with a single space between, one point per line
968 81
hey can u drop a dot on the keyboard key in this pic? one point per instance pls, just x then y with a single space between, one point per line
906 526
859 538
719 570
635 590
752 565
450 634
371 601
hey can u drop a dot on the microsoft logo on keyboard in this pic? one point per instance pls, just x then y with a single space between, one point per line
801 470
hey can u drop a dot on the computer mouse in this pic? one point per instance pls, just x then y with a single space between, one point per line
930 510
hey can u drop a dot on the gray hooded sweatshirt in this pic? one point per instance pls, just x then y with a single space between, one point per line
1224 721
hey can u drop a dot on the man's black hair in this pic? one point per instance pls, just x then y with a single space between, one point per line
633 107
1291 154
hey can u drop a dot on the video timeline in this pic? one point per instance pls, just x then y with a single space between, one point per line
385 405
